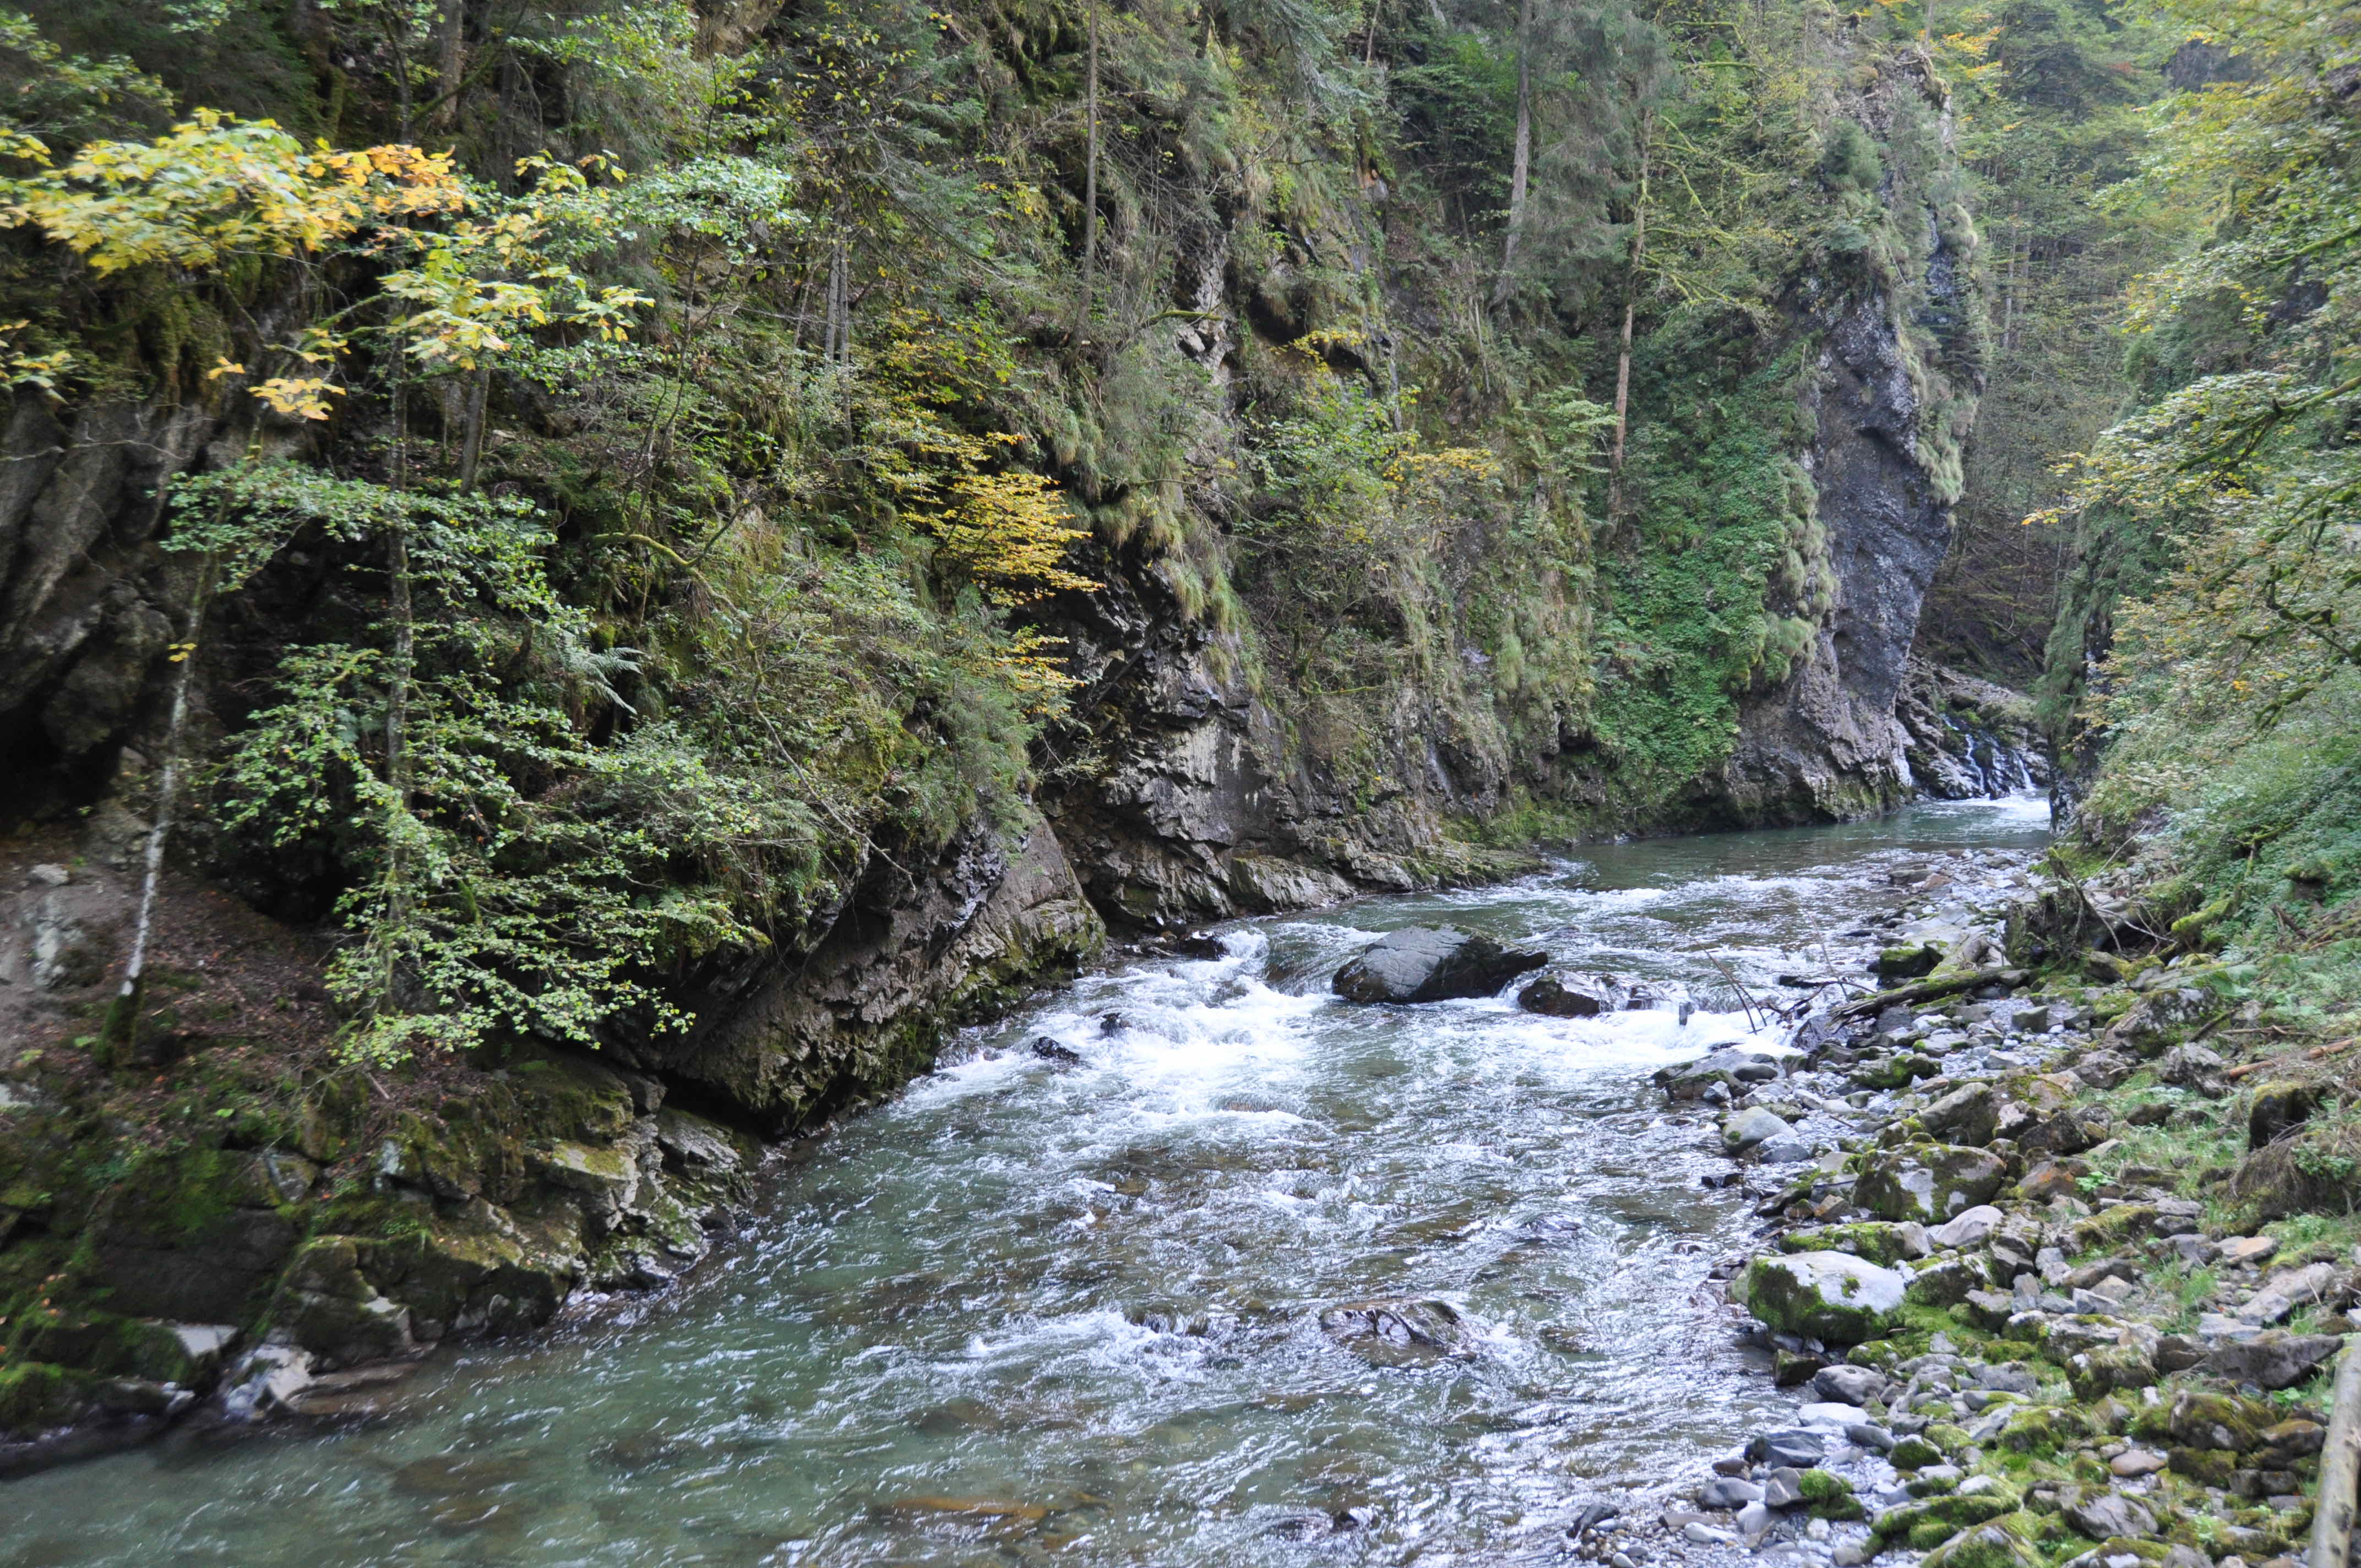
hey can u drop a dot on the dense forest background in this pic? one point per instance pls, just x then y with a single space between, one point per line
647 463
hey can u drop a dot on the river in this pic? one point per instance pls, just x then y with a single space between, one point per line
1048 1310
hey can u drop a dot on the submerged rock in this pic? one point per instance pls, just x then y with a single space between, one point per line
1424 963
1829 1296
1732 1068
1399 1329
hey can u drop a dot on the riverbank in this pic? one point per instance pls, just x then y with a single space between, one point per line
2061 1276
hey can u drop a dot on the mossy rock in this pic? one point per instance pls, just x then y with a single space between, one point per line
2042 1428
1928 1182
37 1396
1828 1496
2206 1467
1925 1525
1914 1454
1833 1297
1882 1242
1896 1071
1908 960
2200 1418
1949 1436
2003 1542
197 1233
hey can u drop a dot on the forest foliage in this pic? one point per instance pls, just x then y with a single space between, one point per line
677 443
2215 648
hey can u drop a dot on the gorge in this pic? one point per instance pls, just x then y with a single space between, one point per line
585 590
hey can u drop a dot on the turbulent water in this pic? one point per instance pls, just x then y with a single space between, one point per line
1055 1311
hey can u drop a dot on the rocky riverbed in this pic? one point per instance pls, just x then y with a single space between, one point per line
2014 1266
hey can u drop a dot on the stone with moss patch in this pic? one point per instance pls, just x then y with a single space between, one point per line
1882 1242
1927 1182
1833 1297
2003 1542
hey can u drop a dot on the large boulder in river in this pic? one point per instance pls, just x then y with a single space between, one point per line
1832 1297
1431 963
1927 1182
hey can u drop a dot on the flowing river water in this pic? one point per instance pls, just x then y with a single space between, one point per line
1068 1312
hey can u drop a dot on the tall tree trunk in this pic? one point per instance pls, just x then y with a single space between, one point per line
451 58
397 747
471 449
1090 188
1522 170
1630 313
839 348
398 677
120 1032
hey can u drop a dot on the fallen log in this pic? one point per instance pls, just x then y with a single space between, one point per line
1933 987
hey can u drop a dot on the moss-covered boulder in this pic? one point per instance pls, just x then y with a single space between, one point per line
1922 1526
2042 1428
2003 1542
332 1309
1827 1496
196 1232
1833 1297
37 1397
2103 1369
2199 1418
1927 1182
1908 960
1947 1283
1883 1242
1914 1454
2277 1110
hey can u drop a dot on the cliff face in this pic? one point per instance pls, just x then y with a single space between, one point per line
1888 401
1338 639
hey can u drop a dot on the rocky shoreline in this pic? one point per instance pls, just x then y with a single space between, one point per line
2015 1264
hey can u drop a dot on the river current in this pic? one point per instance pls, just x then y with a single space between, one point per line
1054 1311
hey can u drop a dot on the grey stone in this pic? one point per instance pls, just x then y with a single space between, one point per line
2107 1515
2188 1066
1746 1128
1865 1434
1846 1385
1692 1080
1970 1227
1422 963
2276 1359
1928 1182
1399 1330
1571 996
1799 1448
1965 1115
1727 1492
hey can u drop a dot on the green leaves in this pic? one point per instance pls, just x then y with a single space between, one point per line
514 878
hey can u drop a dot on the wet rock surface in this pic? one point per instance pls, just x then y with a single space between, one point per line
1422 963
